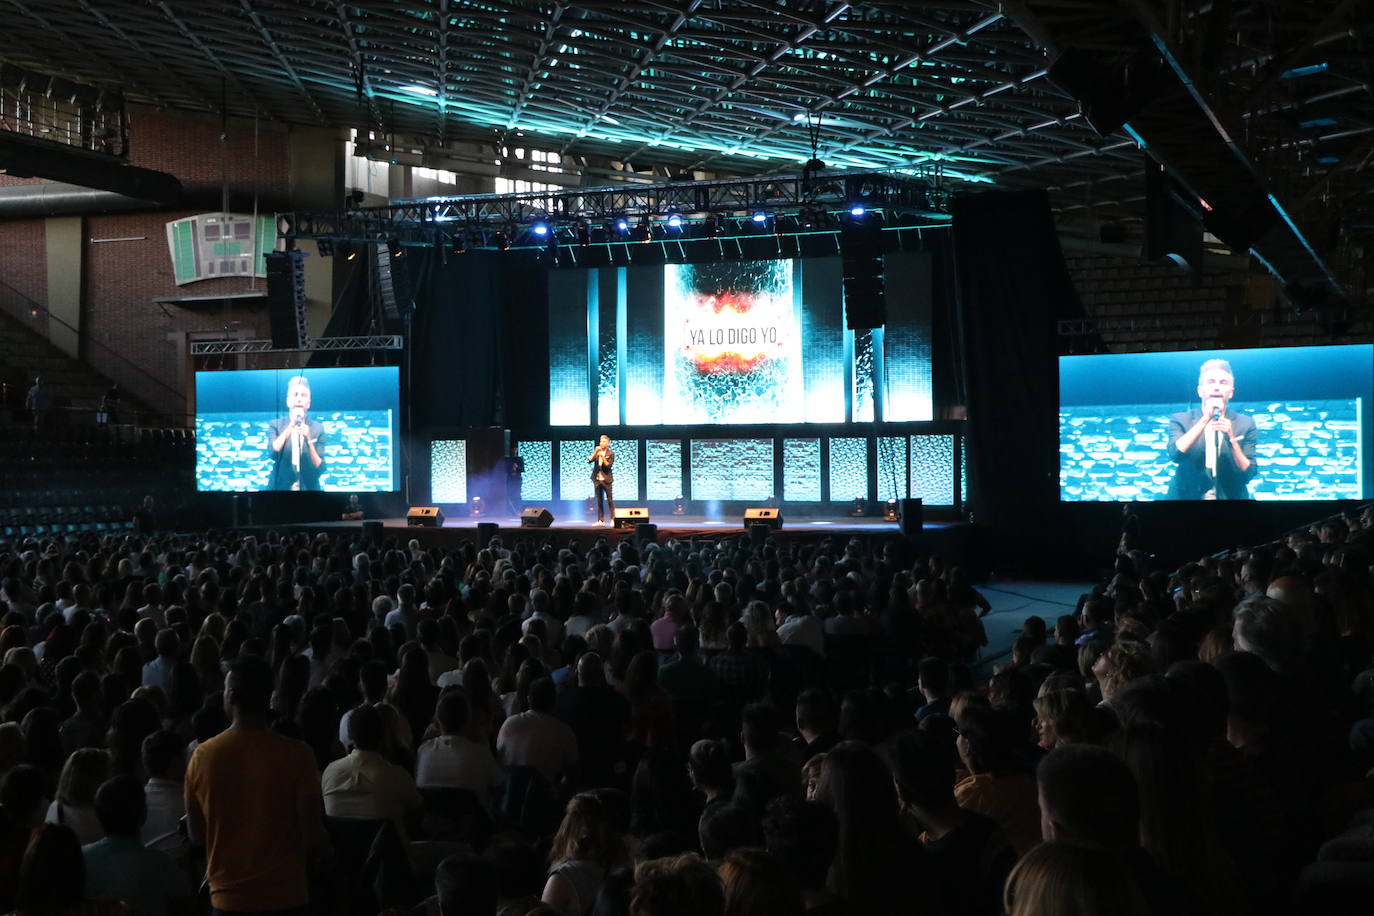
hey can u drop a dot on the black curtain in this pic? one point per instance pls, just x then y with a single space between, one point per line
477 337
1011 285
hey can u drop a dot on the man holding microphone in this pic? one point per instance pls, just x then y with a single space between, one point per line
1213 446
602 461
297 442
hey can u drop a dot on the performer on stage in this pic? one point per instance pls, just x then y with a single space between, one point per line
515 476
602 461
297 442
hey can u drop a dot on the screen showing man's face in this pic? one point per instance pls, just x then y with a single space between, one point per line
1216 384
298 399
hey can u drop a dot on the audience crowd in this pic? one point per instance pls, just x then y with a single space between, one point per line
322 724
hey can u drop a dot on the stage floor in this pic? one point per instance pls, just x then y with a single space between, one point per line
669 526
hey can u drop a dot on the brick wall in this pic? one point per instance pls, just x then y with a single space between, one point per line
126 332
23 264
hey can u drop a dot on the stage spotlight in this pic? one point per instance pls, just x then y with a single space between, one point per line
352 254
858 510
541 228
502 241
890 511
674 220
622 225
394 246
583 232
760 217
857 210
475 506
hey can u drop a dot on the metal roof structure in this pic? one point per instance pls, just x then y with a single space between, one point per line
740 87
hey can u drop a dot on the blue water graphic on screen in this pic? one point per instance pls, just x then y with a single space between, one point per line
1298 416
294 429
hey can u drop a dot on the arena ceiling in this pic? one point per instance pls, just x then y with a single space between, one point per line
741 87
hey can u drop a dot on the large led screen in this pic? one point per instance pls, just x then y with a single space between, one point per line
733 343
1263 424
758 341
297 429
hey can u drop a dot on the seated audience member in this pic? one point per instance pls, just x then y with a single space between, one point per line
364 785
586 847
372 681
453 761
86 726
679 886
466 885
932 679
164 758
52 878
770 764
818 722
802 836
757 884
726 827
1066 878
708 766
1089 796
687 681
879 867
537 739
742 670
119 867
74 806
598 714
996 786
969 853
1061 716
22 804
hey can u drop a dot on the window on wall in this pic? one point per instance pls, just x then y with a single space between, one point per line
536 160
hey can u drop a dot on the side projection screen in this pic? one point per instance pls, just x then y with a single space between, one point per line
1266 424
297 429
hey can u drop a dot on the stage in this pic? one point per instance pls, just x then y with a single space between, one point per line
944 537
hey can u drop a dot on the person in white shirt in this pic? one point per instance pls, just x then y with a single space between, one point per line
553 627
158 672
801 628
365 785
452 761
440 662
164 758
537 739
406 613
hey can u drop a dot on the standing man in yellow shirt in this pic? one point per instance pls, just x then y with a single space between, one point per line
253 799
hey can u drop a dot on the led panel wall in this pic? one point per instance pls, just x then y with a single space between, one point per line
801 470
732 469
664 472
537 484
848 469
448 471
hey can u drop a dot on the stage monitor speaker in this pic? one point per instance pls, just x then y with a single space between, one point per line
646 532
629 516
285 297
485 532
425 517
913 517
536 517
763 515
372 531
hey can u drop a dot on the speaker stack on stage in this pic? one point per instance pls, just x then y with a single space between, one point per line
424 517
630 516
536 517
286 298
913 517
768 516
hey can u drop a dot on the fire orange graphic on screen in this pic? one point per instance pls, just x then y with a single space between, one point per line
725 353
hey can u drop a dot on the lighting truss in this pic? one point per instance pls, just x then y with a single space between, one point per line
317 345
477 219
